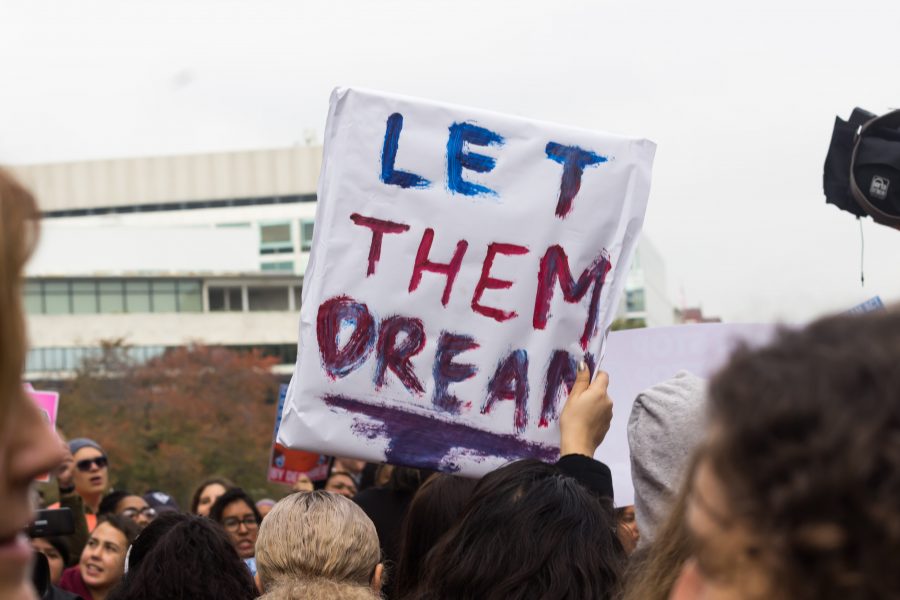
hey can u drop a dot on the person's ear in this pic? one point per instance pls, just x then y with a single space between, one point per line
376 578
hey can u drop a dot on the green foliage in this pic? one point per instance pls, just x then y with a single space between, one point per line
620 324
191 413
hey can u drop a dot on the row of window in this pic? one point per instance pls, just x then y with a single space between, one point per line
270 298
113 296
118 296
71 359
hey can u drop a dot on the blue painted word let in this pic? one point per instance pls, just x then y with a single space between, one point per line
462 136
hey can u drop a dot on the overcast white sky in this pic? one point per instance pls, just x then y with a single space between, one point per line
740 98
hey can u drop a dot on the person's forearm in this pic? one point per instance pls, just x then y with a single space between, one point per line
78 539
592 474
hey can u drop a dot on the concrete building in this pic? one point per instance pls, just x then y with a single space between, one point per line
646 301
162 252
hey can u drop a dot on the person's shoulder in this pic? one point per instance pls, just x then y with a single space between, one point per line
55 593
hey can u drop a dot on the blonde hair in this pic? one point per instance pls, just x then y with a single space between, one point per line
319 589
18 236
317 535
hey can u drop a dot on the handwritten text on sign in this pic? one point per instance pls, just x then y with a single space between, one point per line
463 263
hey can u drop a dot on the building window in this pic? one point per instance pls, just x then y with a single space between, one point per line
112 297
267 298
56 298
233 225
225 299
190 296
164 297
306 234
84 297
297 291
137 296
286 266
275 238
34 298
634 301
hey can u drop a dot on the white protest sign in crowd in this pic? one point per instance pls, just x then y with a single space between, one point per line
640 358
462 263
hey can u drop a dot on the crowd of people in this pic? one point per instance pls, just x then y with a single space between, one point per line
779 478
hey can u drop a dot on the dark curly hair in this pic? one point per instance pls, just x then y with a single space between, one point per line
230 497
150 536
528 532
193 559
807 450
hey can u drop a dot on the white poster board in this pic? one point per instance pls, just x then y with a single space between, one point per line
639 358
462 263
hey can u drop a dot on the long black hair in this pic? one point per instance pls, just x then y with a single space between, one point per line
193 559
528 532
150 536
435 508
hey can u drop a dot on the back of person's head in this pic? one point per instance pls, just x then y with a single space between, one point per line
317 535
666 424
320 589
150 535
193 559
407 479
797 490
435 508
528 532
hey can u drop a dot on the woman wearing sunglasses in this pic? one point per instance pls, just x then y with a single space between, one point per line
89 478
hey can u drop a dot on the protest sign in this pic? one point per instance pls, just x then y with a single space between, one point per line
871 305
48 402
639 358
462 263
286 465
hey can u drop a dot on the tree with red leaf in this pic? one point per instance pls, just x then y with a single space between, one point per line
195 411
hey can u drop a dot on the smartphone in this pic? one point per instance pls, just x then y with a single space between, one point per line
51 522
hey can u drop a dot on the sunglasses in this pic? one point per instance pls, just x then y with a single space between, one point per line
84 465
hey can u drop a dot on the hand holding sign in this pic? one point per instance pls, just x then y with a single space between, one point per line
587 414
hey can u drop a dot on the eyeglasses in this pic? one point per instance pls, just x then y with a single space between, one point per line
84 465
233 523
147 511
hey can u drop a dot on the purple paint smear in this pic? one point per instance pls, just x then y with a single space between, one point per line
425 442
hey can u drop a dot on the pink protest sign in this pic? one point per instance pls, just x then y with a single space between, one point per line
48 402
